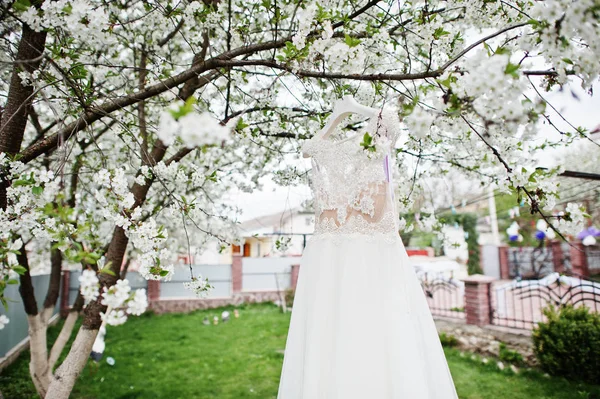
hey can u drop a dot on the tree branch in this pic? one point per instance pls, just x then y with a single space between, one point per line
330 75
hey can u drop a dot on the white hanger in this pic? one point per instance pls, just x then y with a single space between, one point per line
346 105
342 107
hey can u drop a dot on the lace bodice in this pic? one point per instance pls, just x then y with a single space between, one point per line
351 180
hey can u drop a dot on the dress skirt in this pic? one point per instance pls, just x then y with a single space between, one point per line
360 326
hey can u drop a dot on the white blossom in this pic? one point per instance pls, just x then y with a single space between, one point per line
89 285
117 294
114 317
200 129
198 286
167 128
138 304
327 30
3 321
305 17
576 222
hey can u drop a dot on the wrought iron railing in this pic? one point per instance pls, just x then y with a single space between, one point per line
520 304
444 294
592 254
530 262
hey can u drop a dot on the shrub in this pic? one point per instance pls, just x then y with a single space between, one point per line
510 356
289 297
448 340
568 343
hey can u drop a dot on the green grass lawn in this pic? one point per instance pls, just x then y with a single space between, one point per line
176 356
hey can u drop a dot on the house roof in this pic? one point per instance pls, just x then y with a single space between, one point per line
269 223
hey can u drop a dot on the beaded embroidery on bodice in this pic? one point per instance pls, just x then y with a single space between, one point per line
351 185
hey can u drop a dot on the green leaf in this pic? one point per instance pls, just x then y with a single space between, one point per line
13 281
367 142
19 269
212 177
21 5
241 125
37 190
447 82
502 50
68 9
351 41
107 270
21 182
185 109
440 32
511 69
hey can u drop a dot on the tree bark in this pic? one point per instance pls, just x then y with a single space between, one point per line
12 128
37 326
65 331
38 366
63 337
14 116
67 373
125 268
54 284
26 287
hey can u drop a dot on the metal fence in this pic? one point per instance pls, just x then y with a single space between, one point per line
445 295
17 328
267 274
258 274
592 254
520 304
135 281
530 262
219 276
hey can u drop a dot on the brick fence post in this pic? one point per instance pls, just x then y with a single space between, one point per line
64 295
557 256
294 276
153 290
236 273
503 260
478 299
579 263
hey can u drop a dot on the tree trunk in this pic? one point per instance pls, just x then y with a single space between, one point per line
65 331
54 284
125 268
14 116
63 337
12 129
38 366
67 373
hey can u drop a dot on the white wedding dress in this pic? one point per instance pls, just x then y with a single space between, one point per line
360 326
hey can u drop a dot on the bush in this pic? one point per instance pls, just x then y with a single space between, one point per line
510 356
568 344
289 297
448 340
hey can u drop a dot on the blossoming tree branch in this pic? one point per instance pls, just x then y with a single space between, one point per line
125 123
